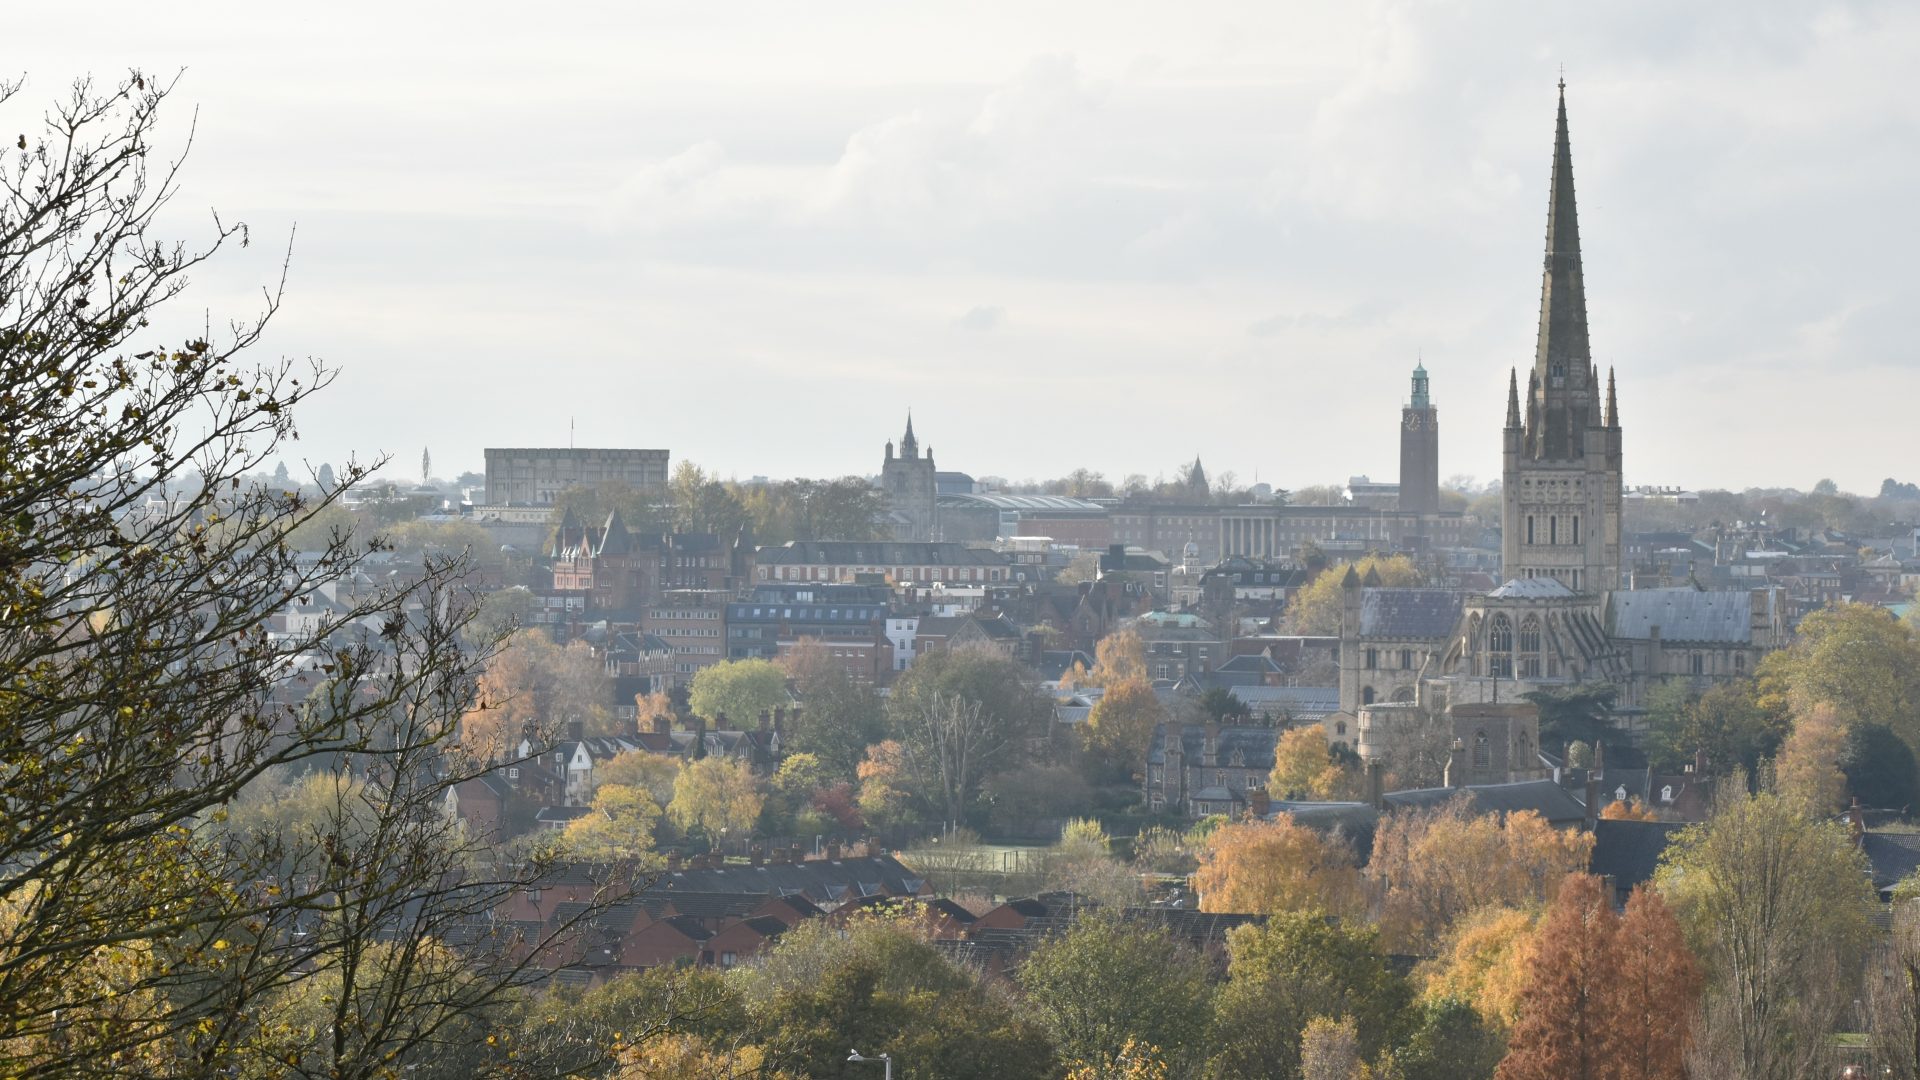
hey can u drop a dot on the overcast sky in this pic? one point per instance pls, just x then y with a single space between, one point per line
1090 233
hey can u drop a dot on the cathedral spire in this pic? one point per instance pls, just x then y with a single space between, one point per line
909 446
1513 398
1562 355
1613 404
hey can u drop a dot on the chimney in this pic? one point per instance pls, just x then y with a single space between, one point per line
756 855
673 861
1700 763
779 719
766 719
576 730
663 724
1210 756
1592 813
1599 757
1258 802
1377 784
833 851
1456 774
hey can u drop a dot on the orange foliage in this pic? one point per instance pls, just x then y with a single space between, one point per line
1631 809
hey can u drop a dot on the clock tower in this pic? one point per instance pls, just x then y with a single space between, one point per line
1420 449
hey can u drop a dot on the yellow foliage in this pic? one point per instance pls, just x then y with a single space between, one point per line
716 795
1122 721
1119 657
1316 608
1137 1061
1808 769
688 1057
1485 962
1628 810
1265 867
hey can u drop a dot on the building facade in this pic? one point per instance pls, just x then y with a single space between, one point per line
1420 449
522 476
909 489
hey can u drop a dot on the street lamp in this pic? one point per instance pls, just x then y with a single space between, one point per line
886 1061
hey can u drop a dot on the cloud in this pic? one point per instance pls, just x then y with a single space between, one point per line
981 318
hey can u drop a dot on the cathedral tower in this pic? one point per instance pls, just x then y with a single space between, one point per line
1420 449
907 485
1561 446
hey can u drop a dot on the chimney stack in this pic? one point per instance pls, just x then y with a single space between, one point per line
1456 774
663 725
766 719
1258 802
673 861
833 851
1700 763
576 730
1592 814
1377 784
756 855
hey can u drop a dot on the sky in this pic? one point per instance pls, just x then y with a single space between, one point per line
1100 234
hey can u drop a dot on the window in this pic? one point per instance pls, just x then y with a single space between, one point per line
1530 635
1482 751
1339 727
1529 528
1500 634
1373 659
1553 529
1253 781
1740 661
1576 528
1666 793
1699 664
1366 696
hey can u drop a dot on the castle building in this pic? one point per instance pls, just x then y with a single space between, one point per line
1420 449
908 487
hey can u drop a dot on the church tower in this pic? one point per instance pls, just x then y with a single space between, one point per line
1561 446
907 485
1420 449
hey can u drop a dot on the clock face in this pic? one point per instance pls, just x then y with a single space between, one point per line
1414 421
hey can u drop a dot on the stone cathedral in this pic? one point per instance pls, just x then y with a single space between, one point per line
1562 616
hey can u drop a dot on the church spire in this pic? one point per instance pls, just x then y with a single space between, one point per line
1562 353
909 446
1513 398
1613 404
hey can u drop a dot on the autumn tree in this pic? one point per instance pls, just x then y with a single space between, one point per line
1655 991
1305 767
1330 1049
1775 904
1107 982
144 687
884 798
532 686
1628 809
1279 865
620 825
1432 866
739 690
1566 1029
1857 658
1729 723
1121 724
717 796
1809 765
1119 657
652 773
1484 962
838 717
1316 608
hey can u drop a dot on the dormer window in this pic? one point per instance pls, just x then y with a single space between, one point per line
1666 793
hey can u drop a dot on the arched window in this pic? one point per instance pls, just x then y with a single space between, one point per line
1530 635
1403 695
1482 751
1339 727
1500 634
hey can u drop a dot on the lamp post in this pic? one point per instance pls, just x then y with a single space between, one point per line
885 1060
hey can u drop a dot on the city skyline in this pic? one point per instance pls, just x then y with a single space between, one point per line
1175 216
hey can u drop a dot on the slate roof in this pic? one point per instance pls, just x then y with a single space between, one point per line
823 881
1629 851
1254 743
1893 855
1548 799
863 553
1306 703
1539 588
1682 614
1408 613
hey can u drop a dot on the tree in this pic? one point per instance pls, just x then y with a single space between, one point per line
1107 981
1628 809
1305 766
1729 724
1451 1041
620 826
499 614
1316 608
1582 712
1566 1026
1278 866
1893 989
1430 867
1856 657
689 1057
1219 705
1776 906
533 687
1083 864
1033 798
1655 991
1330 1049
838 717
716 796
950 744
1117 658
1138 1061
1484 963
1809 765
1881 769
1121 724
1284 973
883 795
141 691
652 773
739 690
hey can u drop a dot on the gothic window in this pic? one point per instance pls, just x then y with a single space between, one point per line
1699 664
1482 751
1406 659
1530 667
1500 634
1530 635
1373 659
1339 727
1553 529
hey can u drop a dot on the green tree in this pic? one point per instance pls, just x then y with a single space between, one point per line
718 796
739 690
1107 980
1880 768
1583 712
1450 1041
1776 904
1282 974
961 715
620 826
838 717
1856 657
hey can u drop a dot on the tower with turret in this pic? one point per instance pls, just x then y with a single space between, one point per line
1561 446
907 486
